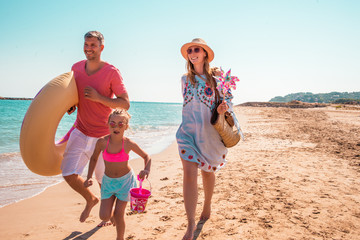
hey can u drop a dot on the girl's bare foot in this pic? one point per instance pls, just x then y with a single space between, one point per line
189 235
89 205
104 224
112 220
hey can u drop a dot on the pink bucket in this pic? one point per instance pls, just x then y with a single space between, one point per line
138 198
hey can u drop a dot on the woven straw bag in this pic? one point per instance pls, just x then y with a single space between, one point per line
229 132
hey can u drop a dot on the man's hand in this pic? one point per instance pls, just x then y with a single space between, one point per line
71 110
91 94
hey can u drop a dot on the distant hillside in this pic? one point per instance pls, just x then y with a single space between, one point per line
320 97
13 98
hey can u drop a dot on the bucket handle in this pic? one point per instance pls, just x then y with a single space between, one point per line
140 182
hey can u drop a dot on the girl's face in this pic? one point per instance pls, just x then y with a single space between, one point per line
118 124
196 54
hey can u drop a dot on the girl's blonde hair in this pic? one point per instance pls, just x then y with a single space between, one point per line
190 76
120 112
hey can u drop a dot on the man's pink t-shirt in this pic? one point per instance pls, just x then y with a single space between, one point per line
92 116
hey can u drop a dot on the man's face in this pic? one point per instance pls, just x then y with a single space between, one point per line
92 48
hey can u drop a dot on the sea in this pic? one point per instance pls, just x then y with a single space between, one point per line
152 127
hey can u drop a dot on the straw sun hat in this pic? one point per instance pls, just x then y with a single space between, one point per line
197 42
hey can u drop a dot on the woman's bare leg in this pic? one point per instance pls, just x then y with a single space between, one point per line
208 184
190 192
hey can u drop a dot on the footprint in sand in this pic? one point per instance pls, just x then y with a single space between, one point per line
159 230
165 218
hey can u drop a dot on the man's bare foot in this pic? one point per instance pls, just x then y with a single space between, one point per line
189 235
104 224
89 205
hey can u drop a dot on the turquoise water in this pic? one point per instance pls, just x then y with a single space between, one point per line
152 127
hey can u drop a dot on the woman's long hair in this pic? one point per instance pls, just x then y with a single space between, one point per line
207 70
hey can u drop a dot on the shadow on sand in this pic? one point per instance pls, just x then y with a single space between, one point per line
199 227
87 235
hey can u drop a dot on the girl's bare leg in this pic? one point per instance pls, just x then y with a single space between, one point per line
119 217
190 192
106 208
209 184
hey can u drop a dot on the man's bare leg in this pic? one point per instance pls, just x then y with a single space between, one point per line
76 182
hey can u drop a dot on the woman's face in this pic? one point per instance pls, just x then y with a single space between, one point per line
196 54
117 124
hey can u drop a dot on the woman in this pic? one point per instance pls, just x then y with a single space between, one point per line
200 145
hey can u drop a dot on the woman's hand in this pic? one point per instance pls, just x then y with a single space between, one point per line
216 71
222 108
88 182
143 174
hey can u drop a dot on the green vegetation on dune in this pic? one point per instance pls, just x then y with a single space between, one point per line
333 97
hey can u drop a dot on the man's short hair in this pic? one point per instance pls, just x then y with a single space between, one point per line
95 34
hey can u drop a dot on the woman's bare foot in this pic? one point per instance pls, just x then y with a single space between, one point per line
205 215
89 205
189 235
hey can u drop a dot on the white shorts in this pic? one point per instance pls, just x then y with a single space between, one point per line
78 151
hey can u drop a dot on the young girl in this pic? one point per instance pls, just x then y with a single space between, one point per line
119 178
200 145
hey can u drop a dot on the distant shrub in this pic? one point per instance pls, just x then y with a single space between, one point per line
346 101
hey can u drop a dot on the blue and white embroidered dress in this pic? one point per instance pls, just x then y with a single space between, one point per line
197 139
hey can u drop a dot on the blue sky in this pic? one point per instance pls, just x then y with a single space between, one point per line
274 47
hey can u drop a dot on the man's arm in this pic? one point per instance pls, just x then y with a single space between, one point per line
121 101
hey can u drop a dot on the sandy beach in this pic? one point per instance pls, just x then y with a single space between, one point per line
297 176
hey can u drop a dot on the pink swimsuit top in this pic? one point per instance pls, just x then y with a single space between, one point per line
121 156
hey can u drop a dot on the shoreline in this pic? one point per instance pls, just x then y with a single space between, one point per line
296 176
42 207
43 190
83 175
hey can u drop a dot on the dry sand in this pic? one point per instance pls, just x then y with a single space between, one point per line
296 176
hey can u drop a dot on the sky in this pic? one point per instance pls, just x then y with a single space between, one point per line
275 47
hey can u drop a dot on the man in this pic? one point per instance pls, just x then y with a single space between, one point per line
100 89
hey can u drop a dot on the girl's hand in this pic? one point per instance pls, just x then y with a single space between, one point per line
143 174
88 182
222 108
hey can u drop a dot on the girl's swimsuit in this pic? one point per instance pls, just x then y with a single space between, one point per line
120 187
121 156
